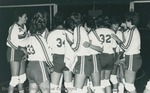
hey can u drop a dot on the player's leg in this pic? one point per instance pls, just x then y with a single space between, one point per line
96 76
107 82
121 78
107 66
44 87
15 66
114 79
14 57
68 80
33 88
133 63
22 77
80 73
57 73
79 82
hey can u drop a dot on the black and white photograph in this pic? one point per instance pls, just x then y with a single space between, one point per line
74 46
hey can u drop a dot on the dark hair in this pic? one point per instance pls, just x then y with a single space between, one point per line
90 22
69 24
115 20
133 17
103 20
38 24
78 19
58 19
18 13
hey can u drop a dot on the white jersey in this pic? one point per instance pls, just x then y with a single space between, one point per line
80 36
16 35
37 49
132 43
104 35
56 41
70 56
94 41
45 33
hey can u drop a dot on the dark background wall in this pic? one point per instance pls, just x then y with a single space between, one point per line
6 15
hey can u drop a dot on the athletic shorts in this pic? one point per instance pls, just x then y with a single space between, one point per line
107 61
66 69
14 55
37 72
133 62
59 64
87 65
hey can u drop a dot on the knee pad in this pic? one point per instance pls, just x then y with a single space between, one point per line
105 83
113 79
148 85
14 81
22 78
129 87
97 89
68 85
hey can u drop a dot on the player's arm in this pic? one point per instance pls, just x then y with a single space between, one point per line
77 38
94 47
13 37
48 55
68 40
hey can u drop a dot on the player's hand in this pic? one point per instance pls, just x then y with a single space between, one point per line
86 44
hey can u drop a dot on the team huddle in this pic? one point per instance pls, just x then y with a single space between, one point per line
100 55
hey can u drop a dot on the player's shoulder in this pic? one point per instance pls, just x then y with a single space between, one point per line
13 26
69 32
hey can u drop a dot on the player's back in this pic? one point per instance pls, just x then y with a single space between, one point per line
56 41
35 50
105 38
80 36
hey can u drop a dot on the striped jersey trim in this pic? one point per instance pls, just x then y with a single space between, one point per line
130 62
129 40
48 62
9 38
69 31
78 39
96 35
43 71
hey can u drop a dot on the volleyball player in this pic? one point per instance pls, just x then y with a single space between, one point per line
114 78
131 46
56 43
69 56
17 32
103 33
95 50
38 56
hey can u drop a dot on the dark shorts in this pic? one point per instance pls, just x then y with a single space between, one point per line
59 64
107 61
37 72
87 65
133 62
14 55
